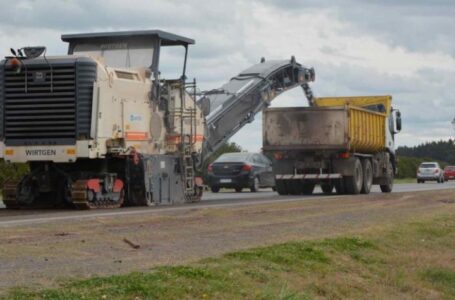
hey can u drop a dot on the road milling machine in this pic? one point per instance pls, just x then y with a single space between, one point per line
100 128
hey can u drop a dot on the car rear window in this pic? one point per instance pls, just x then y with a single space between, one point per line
233 157
450 168
428 166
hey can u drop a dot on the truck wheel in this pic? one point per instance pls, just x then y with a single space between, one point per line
367 170
281 187
307 188
387 188
215 189
238 189
354 183
339 187
327 188
295 187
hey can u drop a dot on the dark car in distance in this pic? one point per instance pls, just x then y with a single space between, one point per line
240 170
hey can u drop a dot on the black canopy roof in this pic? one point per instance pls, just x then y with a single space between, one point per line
167 39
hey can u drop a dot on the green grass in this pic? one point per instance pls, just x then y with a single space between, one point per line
414 260
404 180
442 278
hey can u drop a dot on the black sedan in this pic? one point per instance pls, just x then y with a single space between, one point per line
239 171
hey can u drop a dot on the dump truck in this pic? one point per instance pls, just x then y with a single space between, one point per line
101 127
341 143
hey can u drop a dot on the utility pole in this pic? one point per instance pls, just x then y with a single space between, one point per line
453 123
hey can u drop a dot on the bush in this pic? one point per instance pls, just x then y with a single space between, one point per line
11 171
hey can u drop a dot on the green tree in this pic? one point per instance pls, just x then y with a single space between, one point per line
437 150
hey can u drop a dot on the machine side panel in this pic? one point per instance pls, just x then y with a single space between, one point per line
2 98
162 179
85 78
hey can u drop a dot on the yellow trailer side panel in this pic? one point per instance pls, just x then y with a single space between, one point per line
361 101
366 130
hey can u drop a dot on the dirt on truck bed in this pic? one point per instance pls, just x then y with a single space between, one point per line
46 253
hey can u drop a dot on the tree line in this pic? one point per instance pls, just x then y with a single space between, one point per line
409 158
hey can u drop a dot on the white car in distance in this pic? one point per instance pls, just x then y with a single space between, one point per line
430 171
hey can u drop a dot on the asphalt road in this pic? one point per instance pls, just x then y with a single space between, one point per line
405 187
222 199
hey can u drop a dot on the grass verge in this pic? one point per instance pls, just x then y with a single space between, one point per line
415 260
404 180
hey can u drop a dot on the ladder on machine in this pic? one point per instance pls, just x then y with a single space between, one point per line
187 142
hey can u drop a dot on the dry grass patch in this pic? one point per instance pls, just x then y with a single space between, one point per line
411 261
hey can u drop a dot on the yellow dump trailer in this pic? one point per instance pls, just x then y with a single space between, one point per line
344 128
346 143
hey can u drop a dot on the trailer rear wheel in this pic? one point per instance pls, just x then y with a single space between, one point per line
327 188
281 187
295 187
387 188
307 188
354 183
367 176
339 187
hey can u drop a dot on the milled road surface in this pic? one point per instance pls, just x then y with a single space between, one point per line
40 250
222 199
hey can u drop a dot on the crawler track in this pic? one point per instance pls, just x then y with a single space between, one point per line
80 198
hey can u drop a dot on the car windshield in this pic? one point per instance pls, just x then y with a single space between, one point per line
233 157
426 166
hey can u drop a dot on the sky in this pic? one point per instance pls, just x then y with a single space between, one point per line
402 48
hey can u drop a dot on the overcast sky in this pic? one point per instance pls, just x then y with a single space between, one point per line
403 48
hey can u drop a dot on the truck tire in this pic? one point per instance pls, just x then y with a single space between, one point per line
387 188
281 187
354 183
339 187
307 188
327 188
215 189
295 187
367 170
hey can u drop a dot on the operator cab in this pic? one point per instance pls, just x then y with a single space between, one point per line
127 49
